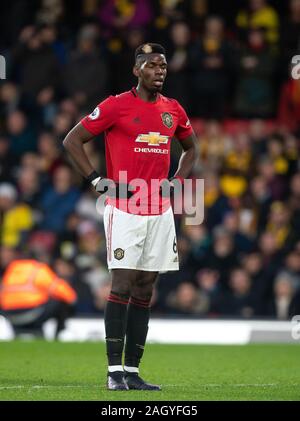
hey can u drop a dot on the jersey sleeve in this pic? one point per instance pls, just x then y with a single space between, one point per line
184 128
103 117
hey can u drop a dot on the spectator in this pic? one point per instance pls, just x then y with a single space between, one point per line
214 145
82 80
294 203
17 218
61 125
7 163
222 256
239 157
211 65
21 134
67 269
58 200
261 202
7 255
199 239
37 64
285 302
277 154
50 12
118 17
178 75
49 153
188 300
279 223
42 295
208 282
88 208
259 14
271 254
276 184
289 105
216 203
292 267
49 36
238 301
123 59
261 280
90 258
234 225
10 99
29 186
291 153
258 137
255 69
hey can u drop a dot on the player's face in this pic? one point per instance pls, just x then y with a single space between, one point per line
152 72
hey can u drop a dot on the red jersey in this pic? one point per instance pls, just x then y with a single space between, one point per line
138 136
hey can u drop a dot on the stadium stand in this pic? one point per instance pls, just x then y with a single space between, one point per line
231 70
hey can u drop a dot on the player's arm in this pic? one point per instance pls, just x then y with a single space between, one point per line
189 143
102 118
73 143
188 158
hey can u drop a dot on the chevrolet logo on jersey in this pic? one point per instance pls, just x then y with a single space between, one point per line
152 138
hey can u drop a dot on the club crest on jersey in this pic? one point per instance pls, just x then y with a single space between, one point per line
167 119
95 114
152 138
119 253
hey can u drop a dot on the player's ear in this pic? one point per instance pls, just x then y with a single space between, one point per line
136 70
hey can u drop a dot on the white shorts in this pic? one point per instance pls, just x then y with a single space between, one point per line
140 242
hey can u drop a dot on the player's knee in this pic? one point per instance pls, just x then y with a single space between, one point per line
142 289
121 287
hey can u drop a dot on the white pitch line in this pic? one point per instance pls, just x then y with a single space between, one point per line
47 386
212 385
232 385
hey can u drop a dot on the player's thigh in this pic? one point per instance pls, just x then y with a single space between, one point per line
160 250
122 280
125 236
131 282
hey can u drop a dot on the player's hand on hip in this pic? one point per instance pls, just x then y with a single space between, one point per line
100 184
104 185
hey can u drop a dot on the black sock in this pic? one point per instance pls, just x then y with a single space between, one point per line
115 327
136 332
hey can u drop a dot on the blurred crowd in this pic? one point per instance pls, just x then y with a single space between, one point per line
231 70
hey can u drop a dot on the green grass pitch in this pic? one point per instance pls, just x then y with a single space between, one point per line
42 370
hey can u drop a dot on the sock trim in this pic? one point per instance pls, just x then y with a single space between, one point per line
116 299
113 368
139 303
131 369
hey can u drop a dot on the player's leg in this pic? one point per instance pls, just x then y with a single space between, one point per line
137 328
159 254
115 319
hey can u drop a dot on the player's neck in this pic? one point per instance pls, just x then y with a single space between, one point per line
146 95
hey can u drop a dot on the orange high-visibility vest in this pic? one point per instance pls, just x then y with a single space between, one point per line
29 283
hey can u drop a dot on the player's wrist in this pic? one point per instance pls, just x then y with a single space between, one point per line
93 178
